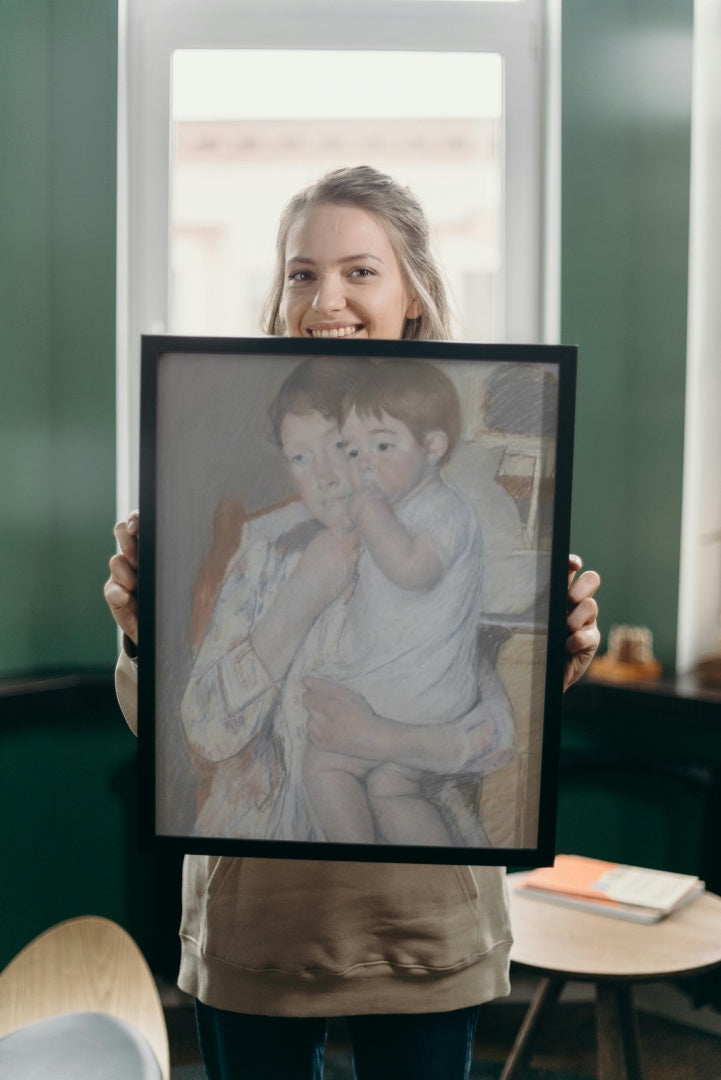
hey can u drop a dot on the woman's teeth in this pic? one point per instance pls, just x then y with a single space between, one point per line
337 331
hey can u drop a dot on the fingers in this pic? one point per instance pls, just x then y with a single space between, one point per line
585 640
123 572
575 562
320 690
123 608
583 587
121 587
584 613
332 690
126 533
582 633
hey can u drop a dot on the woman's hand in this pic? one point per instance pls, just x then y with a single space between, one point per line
120 589
583 635
341 721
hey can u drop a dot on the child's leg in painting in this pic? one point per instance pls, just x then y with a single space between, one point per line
336 788
403 814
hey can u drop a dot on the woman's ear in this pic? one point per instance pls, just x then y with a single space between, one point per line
415 309
436 444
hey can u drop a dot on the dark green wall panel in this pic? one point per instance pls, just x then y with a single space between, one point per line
68 798
25 390
58 77
626 145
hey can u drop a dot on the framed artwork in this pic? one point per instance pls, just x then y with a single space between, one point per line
352 597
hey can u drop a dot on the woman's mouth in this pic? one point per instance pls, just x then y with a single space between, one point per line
335 331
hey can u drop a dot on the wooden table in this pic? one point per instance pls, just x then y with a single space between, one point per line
563 944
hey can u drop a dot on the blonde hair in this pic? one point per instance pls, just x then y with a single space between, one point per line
402 216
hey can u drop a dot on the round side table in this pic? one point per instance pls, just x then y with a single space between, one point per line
563 944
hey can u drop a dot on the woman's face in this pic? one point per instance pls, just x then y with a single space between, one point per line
318 466
342 277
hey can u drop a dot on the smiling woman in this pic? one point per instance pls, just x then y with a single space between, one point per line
353 259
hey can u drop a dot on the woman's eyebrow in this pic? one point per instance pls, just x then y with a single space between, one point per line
362 256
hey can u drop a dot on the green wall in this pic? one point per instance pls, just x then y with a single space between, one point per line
626 145
58 72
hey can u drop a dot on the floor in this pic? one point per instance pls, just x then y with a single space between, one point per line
669 1051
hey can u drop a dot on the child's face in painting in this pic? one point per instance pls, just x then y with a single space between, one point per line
317 462
384 452
342 277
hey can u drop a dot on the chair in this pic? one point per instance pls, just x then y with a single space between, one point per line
80 1001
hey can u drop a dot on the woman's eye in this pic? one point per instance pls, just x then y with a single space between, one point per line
384 446
352 453
298 459
300 276
362 272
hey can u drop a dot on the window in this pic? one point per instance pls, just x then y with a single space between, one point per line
227 107
236 160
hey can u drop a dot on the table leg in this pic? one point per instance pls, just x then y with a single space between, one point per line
617 1033
545 997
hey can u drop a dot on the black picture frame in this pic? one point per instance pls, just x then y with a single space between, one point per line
226 763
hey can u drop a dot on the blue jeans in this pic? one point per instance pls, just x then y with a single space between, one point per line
415 1046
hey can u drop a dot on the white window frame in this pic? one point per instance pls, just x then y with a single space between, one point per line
699 597
526 34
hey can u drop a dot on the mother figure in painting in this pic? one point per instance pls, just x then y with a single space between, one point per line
271 948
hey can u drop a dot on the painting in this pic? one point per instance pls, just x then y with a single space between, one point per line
352 597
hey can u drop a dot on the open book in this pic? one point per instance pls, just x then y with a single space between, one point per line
608 888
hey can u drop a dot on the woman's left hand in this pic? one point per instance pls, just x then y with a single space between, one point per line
583 635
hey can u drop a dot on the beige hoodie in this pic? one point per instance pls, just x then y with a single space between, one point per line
287 937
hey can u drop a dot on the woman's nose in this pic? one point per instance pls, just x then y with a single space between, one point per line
329 295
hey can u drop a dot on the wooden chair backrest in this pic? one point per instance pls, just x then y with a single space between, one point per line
87 964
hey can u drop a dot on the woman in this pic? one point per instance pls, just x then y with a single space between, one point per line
272 948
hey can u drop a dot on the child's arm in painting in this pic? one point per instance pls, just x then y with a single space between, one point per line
409 561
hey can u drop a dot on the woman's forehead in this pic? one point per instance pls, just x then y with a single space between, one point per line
336 230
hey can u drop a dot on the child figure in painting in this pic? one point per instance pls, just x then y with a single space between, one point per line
408 644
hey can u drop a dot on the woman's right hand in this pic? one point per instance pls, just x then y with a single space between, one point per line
121 587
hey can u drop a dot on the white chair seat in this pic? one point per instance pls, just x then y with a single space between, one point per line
78 1046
